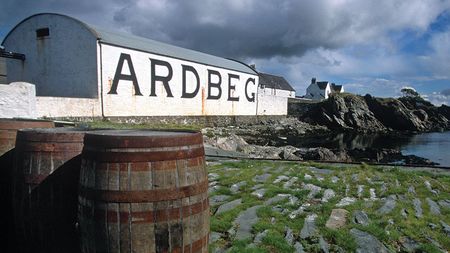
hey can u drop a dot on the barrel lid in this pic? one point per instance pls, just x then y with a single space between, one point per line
142 138
14 124
59 134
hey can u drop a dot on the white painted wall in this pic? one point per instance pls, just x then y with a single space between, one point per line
273 101
17 99
53 107
126 103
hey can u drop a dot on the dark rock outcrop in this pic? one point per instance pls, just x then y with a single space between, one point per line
371 114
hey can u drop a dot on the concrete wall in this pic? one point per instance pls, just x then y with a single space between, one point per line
127 103
54 107
273 101
63 64
18 100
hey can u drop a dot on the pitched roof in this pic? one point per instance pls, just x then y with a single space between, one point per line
274 82
151 46
336 88
322 85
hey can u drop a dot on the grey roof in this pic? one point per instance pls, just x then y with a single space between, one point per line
322 85
155 47
336 88
274 82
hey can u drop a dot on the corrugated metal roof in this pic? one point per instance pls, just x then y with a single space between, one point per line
274 82
152 46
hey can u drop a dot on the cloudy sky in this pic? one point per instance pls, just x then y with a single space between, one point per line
374 47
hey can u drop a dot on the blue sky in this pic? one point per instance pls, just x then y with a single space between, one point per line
374 47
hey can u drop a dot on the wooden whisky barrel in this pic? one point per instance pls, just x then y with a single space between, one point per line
45 188
8 131
143 191
9 127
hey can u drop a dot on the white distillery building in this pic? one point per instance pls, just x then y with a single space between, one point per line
83 71
273 91
322 90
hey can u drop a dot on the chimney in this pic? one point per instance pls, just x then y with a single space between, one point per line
313 80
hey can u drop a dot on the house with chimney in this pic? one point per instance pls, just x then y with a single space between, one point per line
322 90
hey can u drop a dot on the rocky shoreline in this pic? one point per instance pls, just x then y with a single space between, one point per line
343 113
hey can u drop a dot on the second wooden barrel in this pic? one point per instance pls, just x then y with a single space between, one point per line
45 189
8 132
143 191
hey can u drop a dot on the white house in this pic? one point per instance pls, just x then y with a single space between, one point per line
273 94
322 90
83 71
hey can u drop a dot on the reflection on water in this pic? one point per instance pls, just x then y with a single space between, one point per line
434 146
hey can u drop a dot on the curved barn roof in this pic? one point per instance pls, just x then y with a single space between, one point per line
152 46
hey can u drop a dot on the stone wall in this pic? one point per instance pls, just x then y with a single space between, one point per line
17 99
298 107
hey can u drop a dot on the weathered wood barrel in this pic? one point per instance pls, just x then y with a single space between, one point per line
9 127
45 189
8 132
143 191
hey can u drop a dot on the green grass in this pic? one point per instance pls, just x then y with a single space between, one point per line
275 222
105 124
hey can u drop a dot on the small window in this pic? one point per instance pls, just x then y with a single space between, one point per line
42 32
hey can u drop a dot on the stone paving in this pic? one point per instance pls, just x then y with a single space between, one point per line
294 208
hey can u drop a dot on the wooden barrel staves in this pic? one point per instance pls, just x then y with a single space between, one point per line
143 191
45 189
8 132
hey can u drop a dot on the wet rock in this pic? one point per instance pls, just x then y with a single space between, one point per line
383 188
360 191
418 208
309 226
428 186
373 195
367 243
334 179
276 199
389 205
262 178
444 203
324 245
260 236
409 245
404 213
280 178
245 221
289 237
213 176
314 190
298 247
360 217
235 188
327 195
432 226
411 190
337 219
290 183
434 208
217 199
214 237
228 206
259 193
258 186
446 228
308 177
346 201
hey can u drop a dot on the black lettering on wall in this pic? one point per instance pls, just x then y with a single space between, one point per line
191 69
232 87
214 85
252 97
119 76
164 79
